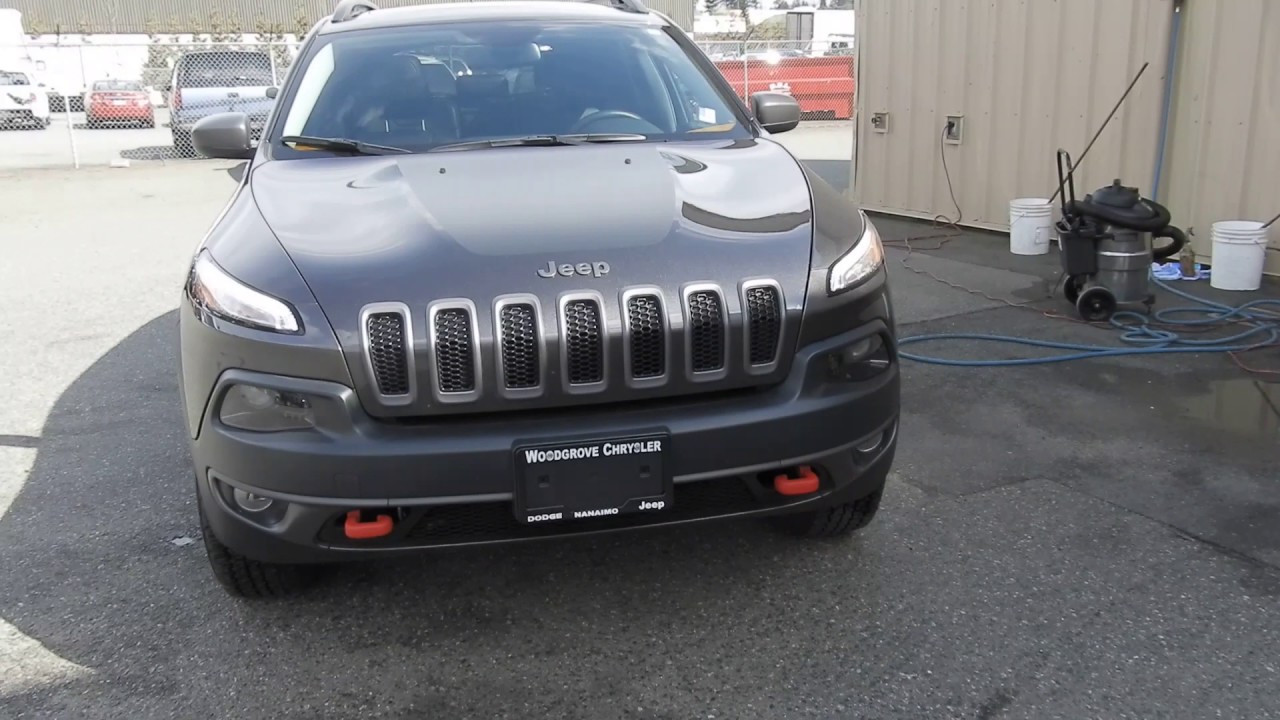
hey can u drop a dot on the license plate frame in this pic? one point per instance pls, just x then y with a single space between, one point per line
591 478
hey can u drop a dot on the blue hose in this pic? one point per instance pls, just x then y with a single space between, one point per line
1263 328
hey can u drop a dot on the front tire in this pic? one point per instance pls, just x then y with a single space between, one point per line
832 521
247 578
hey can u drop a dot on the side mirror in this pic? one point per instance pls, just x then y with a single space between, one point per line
272 92
224 135
777 112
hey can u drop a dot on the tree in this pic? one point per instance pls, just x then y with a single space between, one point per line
156 68
302 21
224 30
781 5
742 7
36 26
272 33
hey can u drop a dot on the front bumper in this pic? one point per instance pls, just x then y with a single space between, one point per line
451 481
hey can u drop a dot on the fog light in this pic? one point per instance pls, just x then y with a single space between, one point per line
862 360
248 407
250 502
870 444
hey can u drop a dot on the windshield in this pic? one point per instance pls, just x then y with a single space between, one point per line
423 87
121 85
13 78
225 69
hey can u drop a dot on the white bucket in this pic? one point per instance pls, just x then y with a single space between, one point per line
1239 253
1030 226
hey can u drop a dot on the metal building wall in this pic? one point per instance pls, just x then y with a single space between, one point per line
137 16
1224 148
1029 76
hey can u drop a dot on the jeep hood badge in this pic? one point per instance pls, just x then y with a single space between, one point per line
588 269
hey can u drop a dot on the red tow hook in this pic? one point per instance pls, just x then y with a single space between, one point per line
807 482
357 529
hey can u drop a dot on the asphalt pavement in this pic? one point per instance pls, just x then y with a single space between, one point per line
1090 540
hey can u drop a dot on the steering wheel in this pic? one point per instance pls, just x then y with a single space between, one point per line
605 115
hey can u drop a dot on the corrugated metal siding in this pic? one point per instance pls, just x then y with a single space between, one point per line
1029 76
136 16
1224 149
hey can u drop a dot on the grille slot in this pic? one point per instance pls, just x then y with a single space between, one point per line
706 331
647 337
385 334
583 342
764 324
455 358
521 364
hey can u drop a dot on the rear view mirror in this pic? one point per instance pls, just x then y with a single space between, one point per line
777 112
224 135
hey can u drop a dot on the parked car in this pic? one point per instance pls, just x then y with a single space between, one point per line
23 103
443 311
112 102
207 82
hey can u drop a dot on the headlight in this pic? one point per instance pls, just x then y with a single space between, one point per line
216 292
248 407
864 258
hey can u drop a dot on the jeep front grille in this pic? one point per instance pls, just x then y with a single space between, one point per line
518 338
388 354
454 352
479 352
583 342
706 331
646 337
763 324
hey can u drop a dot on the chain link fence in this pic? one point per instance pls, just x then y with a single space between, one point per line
94 103
820 75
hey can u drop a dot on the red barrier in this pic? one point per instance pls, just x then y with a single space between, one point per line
823 85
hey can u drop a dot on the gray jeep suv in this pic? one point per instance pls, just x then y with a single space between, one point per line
578 288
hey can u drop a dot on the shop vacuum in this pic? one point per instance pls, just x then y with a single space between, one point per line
1106 243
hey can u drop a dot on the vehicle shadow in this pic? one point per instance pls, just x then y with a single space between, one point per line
103 567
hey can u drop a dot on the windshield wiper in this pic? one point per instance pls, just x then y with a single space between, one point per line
343 145
542 141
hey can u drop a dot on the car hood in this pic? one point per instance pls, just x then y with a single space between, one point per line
482 223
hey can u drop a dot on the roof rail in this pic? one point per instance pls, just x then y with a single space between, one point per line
350 9
631 6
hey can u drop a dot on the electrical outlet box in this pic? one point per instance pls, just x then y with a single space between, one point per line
880 122
955 129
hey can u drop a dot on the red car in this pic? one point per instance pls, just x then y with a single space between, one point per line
119 101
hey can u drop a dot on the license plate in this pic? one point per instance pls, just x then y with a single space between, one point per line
595 478
117 102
